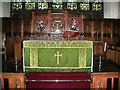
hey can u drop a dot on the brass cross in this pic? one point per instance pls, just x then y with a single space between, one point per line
58 57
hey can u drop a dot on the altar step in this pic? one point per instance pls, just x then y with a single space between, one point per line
58 80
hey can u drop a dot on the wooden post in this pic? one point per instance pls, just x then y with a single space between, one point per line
111 27
65 19
102 29
104 83
12 38
32 23
49 19
22 28
12 24
81 23
17 51
92 28
112 83
22 82
11 84
12 80
93 82
102 78
2 83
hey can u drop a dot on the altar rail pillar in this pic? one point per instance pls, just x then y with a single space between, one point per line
14 80
106 80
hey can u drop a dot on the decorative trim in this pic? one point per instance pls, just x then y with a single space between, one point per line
33 57
57 47
57 80
58 67
57 44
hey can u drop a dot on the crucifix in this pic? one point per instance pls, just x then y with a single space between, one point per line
58 56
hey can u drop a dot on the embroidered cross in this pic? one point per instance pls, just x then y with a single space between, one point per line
58 55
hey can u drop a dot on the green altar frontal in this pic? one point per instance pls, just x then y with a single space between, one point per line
57 56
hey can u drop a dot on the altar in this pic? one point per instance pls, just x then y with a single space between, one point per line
57 56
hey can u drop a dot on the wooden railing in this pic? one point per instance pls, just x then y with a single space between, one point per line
106 81
13 80
113 54
101 80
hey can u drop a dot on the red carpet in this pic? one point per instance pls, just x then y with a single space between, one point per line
58 80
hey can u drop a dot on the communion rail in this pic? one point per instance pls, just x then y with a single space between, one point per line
106 80
101 80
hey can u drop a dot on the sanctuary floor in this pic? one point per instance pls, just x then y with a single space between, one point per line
106 66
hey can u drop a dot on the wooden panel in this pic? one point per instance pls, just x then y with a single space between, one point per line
98 48
112 83
2 82
15 80
99 80
11 84
104 83
9 46
27 26
113 54
17 50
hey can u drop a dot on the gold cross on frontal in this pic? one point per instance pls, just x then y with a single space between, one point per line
58 55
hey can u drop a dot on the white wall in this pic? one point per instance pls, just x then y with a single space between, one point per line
1 11
4 9
119 10
111 10
111 0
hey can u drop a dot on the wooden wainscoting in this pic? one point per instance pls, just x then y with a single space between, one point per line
106 80
113 54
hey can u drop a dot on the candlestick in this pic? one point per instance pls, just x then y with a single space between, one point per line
16 64
100 64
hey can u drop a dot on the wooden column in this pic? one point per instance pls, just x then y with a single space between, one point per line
11 84
81 23
104 82
11 43
111 28
65 19
12 24
22 28
102 29
102 77
49 20
17 51
13 79
92 28
2 82
32 22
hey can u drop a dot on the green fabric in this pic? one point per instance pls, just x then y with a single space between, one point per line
33 57
68 59
57 44
57 70
40 56
27 56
